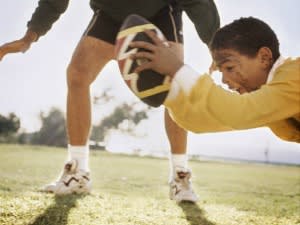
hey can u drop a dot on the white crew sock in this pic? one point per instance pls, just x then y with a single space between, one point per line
177 161
81 154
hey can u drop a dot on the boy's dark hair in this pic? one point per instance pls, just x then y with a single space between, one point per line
246 36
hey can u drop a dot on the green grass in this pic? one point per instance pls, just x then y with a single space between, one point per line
133 190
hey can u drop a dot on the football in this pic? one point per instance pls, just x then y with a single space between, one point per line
151 87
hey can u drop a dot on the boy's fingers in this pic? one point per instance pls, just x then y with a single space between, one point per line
157 41
142 44
141 55
144 66
172 44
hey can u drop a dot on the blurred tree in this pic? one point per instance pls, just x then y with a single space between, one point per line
8 127
53 129
124 113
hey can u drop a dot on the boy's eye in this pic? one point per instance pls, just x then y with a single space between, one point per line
229 68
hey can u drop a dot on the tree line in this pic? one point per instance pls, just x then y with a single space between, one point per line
53 125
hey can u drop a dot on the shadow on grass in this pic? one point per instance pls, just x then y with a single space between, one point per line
193 214
57 213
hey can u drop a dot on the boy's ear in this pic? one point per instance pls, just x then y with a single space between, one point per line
266 57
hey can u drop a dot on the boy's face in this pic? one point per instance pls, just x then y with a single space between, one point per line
242 73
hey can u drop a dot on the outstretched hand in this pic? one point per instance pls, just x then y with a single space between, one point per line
21 45
162 57
13 47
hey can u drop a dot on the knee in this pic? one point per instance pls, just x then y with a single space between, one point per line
77 77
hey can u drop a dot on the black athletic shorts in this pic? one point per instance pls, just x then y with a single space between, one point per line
168 20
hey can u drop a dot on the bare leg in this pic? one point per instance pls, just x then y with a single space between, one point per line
89 58
180 185
176 135
87 61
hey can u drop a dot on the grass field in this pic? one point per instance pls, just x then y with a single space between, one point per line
133 190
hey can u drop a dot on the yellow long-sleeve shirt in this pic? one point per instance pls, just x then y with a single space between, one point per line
197 104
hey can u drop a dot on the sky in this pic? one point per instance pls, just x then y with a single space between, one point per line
35 81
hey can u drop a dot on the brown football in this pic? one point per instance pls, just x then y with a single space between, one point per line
151 87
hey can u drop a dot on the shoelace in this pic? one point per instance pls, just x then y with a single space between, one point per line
183 179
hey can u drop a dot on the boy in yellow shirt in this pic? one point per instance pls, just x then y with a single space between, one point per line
266 86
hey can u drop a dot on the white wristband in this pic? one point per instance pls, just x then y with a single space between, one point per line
184 80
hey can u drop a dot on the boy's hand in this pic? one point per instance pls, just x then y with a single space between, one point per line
21 45
163 57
